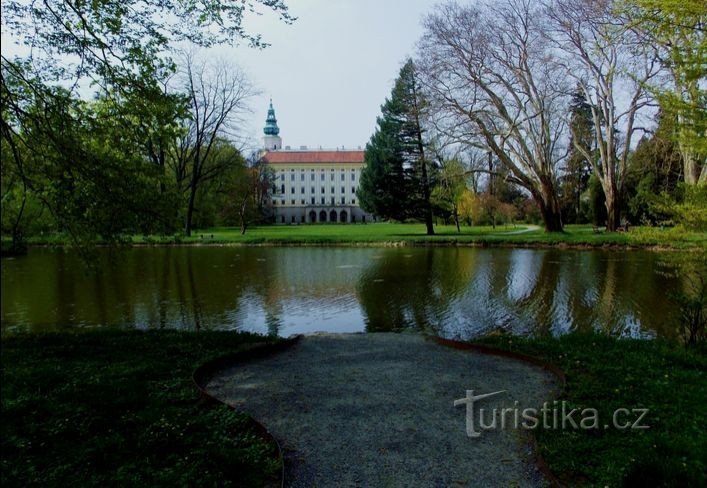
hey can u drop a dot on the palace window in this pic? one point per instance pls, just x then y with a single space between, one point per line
333 189
353 176
302 202
293 201
343 176
332 200
282 189
314 190
343 200
322 175
353 202
312 176
292 176
282 177
312 200
343 189
323 190
302 191
301 177
292 190
323 201
353 189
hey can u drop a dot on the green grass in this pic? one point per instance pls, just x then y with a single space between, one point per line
414 234
117 408
607 374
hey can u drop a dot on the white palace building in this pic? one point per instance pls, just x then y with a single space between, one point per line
312 185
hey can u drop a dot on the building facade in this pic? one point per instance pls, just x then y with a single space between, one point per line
312 186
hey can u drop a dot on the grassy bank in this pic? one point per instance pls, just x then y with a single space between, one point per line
414 234
119 409
608 374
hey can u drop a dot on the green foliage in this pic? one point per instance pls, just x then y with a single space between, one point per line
692 211
676 28
396 182
98 169
118 409
80 164
606 374
446 196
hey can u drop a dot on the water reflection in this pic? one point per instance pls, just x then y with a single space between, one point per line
454 292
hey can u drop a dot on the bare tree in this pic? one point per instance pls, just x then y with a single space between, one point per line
218 95
611 67
487 68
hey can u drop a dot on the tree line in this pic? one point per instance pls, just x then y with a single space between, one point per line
157 149
594 111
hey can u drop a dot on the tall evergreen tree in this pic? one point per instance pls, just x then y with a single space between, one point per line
396 182
575 180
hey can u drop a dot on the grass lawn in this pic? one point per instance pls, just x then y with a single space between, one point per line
521 235
117 408
414 234
607 374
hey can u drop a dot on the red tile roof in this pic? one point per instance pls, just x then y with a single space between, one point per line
314 157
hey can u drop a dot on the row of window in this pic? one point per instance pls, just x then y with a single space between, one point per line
321 176
314 202
314 190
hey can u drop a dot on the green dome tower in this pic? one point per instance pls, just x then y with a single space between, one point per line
272 140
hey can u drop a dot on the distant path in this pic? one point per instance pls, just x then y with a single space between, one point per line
529 228
377 410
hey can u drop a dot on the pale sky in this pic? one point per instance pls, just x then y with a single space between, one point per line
330 71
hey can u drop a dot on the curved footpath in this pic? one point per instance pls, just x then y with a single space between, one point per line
377 410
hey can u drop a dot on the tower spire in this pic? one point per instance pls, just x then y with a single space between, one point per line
271 128
271 140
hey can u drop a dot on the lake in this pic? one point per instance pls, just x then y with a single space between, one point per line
452 292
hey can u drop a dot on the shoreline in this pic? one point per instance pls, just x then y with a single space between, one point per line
490 244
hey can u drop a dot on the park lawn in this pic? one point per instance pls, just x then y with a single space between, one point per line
520 235
118 408
342 233
384 233
608 373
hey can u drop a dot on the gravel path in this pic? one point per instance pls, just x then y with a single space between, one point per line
377 410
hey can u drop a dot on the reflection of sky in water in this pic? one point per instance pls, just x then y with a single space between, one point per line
455 292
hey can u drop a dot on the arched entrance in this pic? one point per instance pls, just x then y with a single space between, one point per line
344 217
312 216
333 216
322 216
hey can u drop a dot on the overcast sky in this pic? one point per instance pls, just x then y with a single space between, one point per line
329 72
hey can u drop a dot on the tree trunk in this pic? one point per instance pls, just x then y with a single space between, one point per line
550 208
456 221
613 210
190 208
428 217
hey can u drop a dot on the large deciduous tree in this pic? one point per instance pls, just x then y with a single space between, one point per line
397 179
218 95
612 67
487 67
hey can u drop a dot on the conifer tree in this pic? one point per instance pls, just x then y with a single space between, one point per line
396 181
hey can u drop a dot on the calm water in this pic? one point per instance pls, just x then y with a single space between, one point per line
454 292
